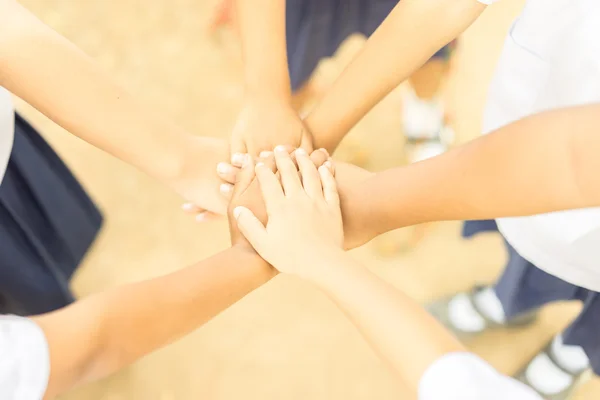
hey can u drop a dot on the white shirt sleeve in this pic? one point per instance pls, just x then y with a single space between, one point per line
24 359
464 376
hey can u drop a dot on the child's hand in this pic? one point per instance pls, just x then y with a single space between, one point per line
246 193
305 221
358 227
198 183
264 123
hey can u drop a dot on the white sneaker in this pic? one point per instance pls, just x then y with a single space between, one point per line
424 127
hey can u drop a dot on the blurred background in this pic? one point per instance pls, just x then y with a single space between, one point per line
286 340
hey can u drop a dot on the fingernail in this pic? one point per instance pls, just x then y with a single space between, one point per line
328 165
300 152
246 161
265 154
236 212
223 168
260 164
225 188
324 151
187 206
280 149
238 159
200 217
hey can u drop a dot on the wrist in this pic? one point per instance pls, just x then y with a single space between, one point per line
168 164
248 252
261 91
325 131
323 264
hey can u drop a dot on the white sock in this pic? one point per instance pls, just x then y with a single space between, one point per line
545 377
489 303
465 317
571 358
422 119
548 378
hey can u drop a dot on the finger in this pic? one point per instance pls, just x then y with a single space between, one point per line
238 153
289 175
329 164
206 216
191 208
243 180
227 172
269 162
330 191
265 154
310 177
306 142
271 189
226 190
319 157
238 159
251 228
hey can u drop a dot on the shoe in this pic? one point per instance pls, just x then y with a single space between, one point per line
465 305
425 129
553 379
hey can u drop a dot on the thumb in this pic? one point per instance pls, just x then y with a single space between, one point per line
238 151
307 141
251 228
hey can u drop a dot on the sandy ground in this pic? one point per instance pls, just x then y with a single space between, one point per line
286 340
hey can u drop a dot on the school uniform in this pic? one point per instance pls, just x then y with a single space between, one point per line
551 59
47 221
315 29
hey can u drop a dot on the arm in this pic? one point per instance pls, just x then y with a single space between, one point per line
303 236
411 34
51 74
543 163
99 335
267 118
103 333
400 331
261 25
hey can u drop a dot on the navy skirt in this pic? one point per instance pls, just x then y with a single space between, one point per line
524 287
47 224
316 28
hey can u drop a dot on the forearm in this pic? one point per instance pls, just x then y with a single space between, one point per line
411 34
103 333
543 163
397 328
263 36
51 74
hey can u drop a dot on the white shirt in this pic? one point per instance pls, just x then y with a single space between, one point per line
551 59
464 376
7 121
24 359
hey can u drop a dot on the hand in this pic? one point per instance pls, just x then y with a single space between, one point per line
264 123
304 217
198 182
355 205
246 193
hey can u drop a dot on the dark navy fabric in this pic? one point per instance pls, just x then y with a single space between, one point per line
47 224
524 287
316 28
